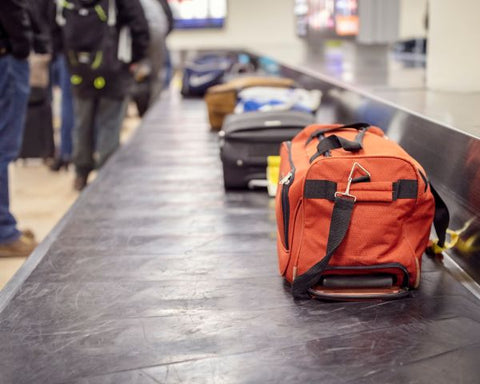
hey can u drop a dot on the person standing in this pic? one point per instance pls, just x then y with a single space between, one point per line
168 60
104 40
15 45
61 78
147 89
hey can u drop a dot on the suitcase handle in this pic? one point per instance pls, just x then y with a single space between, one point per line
320 132
334 142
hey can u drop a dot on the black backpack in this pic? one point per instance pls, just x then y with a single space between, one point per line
90 38
85 23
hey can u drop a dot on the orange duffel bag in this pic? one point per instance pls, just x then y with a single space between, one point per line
354 213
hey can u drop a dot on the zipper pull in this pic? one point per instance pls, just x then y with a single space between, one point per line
286 179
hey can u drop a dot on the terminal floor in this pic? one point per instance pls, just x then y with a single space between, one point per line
156 275
39 197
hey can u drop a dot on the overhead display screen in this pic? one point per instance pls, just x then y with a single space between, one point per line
199 13
333 18
346 17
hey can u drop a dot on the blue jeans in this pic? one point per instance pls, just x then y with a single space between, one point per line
14 90
61 78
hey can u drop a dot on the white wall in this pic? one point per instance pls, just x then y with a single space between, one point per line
253 24
412 19
453 61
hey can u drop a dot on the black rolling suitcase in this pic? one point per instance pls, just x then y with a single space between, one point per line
247 139
38 132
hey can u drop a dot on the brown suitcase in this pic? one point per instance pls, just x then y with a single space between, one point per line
221 99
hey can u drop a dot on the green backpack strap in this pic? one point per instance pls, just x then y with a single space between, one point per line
61 5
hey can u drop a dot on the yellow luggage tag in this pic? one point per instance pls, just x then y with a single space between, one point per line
454 241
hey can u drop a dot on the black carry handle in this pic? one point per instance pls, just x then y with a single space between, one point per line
342 212
334 142
320 132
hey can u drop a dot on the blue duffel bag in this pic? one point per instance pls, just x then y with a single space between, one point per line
203 73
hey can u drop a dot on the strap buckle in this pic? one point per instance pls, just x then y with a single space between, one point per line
350 180
286 179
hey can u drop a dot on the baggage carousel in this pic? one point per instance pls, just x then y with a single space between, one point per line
156 275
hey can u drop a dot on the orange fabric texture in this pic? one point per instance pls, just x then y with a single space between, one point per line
383 230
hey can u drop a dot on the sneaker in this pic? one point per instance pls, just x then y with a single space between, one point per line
28 233
22 247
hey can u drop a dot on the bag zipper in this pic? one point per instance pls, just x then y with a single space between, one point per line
286 182
377 266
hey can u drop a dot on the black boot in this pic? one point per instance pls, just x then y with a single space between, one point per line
80 182
58 164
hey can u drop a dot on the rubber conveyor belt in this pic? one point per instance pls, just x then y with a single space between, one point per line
157 276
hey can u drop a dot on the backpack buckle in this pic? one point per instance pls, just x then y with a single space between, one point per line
84 57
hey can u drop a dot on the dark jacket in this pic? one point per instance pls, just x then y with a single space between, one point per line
130 12
41 13
113 78
15 29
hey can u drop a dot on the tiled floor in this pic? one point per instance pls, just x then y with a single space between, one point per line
39 197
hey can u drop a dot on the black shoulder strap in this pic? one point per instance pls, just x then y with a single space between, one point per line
342 212
320 132
334 142
441 218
